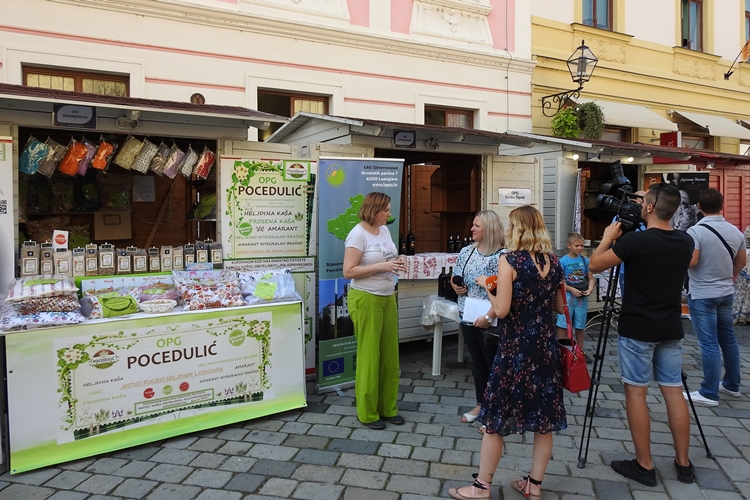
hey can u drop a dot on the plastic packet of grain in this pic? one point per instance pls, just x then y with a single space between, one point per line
56 152
159 162
191 158
104 155
33 154
127 153
205 162
145 155
174 161
75 154
84 164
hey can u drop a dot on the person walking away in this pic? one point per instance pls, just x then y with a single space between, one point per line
741 305
718 258
579 283
371 261
479 259
650 327
524 391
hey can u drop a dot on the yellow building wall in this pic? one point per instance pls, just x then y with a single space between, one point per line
637 72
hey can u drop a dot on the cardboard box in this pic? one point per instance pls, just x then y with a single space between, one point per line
112 226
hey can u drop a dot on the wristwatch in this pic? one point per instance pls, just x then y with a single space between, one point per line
487 317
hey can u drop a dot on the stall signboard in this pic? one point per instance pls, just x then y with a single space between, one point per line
81 390
343 185
268 207
7 230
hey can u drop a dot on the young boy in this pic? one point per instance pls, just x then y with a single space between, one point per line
579 283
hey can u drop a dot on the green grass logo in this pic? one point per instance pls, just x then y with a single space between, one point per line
335 175
236 338
245 229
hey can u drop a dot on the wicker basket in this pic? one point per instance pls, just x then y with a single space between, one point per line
158 306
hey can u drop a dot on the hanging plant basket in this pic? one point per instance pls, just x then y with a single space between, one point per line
590 119
565 124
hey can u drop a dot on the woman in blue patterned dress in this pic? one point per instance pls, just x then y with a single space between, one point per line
525 391
479 259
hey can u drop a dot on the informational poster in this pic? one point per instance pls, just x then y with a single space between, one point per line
268 206
343 185
86 389
7 232
690 185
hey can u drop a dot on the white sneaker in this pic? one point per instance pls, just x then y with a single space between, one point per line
699 399
723 389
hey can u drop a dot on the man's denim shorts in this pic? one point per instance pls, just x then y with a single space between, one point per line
637 359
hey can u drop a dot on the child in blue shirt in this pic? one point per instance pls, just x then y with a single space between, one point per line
579 283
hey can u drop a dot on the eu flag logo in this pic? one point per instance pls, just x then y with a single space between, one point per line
333 367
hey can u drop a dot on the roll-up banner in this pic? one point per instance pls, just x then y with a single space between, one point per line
343 184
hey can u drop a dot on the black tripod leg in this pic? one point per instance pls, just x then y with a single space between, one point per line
695 414
596 370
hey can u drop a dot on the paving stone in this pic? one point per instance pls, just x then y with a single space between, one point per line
99 483
365 479
137 453
409 467
316 457
103 497
443 443
352 493
67 480
279 487
355 461
274 468
265 437
612 490
219 495
208 460
411 484
307 442
271 452
208 478
457 457
295 428
206 444
66 495
235 448
135 488
245 482
316 491
168 491
232 434
410 439
35 477
176 456
169 473
367 434
316 473
77 464
238 464
350 446
136 468
331 431
25 492
394 450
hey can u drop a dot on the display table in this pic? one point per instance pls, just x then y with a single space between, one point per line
103 385
434 309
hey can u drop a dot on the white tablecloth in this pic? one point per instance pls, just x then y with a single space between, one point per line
435 307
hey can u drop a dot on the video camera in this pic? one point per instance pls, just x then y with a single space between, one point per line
615 197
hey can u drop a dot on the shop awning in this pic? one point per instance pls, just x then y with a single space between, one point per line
716 125
631 115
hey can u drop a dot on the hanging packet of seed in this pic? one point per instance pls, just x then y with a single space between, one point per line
32 155
83 166
104 155
176 157
56 152
205 162
127 153
76 153
191 158
159 162
144 156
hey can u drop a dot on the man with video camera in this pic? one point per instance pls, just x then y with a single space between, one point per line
650 326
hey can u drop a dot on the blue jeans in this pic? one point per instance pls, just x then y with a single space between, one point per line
638 360
712 322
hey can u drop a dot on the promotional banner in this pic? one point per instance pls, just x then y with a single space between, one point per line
7 229
268 207
343 185
78 391
267 224
690 185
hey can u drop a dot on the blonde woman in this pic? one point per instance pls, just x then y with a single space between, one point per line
524 392
479 259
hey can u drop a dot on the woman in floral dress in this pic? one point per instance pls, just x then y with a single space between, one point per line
741 306
524 392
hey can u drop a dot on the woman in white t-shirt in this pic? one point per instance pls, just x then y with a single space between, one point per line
371 261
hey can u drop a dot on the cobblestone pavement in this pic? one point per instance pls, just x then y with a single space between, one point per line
323 452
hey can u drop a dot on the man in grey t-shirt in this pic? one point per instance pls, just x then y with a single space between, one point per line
718 257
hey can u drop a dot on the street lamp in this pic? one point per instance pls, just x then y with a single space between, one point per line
581 65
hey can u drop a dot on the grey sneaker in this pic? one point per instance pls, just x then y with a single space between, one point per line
699 399
723 389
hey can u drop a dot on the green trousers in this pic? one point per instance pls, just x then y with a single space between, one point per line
375 321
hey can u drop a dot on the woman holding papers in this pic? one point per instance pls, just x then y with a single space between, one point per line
478 259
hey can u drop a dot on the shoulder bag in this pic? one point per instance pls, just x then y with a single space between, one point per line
575 375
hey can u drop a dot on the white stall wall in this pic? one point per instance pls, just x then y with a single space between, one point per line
7 216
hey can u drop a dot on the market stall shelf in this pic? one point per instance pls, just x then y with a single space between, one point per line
103 385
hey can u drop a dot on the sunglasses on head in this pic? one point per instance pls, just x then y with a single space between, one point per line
662 186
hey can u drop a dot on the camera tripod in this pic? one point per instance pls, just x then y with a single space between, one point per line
596 373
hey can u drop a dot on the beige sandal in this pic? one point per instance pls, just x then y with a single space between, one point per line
523 486
476 487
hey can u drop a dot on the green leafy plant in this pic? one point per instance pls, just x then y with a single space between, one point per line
565 124
590 119
586 119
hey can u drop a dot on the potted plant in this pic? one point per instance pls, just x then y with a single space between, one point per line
582 120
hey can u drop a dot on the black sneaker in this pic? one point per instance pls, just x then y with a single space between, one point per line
395 420
378 425
633 470
685 474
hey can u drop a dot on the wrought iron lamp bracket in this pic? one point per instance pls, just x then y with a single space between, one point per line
560 99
